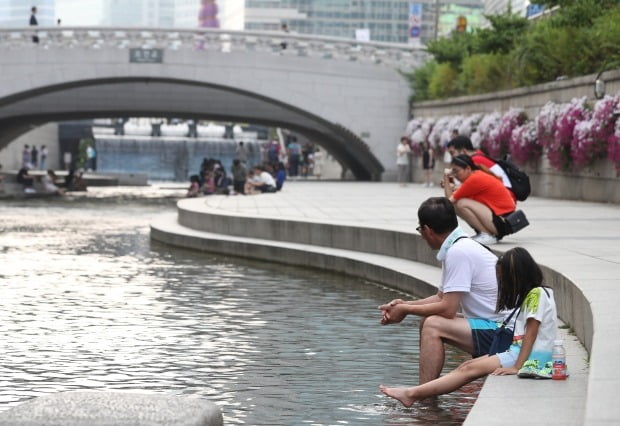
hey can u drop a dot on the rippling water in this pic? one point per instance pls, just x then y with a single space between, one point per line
88 302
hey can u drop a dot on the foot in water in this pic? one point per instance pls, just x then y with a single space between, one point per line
401 394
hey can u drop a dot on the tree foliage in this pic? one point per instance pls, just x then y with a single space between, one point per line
579 37
504 33
451 50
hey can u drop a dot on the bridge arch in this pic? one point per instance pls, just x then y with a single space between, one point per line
143 96
347 96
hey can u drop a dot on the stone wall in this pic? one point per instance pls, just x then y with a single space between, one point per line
599 183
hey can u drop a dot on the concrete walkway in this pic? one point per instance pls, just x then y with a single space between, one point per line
576 243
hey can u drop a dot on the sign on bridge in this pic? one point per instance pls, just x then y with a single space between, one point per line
146 56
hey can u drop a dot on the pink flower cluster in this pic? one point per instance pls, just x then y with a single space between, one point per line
607 127
613 147
524 145
482 137
584 147
498 143
545 123
559 150
573 135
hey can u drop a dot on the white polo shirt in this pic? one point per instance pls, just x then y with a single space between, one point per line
470 268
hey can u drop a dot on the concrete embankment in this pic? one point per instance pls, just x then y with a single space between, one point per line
367 230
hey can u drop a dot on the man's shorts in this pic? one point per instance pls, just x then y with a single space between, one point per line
482 332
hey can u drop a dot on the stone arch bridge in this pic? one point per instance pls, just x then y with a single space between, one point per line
346 96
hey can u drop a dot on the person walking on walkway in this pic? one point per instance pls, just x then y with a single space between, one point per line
26 160
34 23
520 288
468 282
403 150
428 162
34 156
241 153
43 157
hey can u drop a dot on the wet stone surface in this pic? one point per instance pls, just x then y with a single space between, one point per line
88 302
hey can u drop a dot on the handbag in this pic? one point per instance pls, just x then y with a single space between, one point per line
516 221
503 335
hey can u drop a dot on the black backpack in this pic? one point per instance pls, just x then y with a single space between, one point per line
519 180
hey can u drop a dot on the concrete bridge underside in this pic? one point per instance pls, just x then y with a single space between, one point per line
150 97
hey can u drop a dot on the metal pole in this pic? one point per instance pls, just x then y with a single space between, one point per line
436 19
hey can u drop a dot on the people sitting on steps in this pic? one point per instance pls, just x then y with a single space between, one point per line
26 180
49 184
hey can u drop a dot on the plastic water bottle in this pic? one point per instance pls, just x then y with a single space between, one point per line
558 359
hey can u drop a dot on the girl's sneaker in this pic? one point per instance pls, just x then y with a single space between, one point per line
529 369
545 372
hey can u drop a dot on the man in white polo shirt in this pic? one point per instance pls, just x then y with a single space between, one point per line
468 282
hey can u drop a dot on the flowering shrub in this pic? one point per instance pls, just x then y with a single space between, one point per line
545 123
613 147
584 148
482 135
442 132
435 135
590 137
559 151
573 135
604 117
469 124
420 134
524 144
497 144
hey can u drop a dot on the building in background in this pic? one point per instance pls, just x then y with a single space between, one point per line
16 13
169 13
138 13
525 8
383 21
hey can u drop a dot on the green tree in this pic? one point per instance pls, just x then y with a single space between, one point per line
506 30
545 54
452 49
579 13
485 70
444 82
419 81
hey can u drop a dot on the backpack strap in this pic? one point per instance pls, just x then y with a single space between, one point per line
486 247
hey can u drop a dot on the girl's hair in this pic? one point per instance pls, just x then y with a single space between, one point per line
517 274
464 160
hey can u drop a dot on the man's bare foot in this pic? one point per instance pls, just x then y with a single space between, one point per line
400 394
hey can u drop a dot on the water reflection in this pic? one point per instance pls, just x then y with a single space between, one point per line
89 302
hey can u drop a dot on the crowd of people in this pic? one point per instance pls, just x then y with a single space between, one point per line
50 183
214 179
33 158
278 163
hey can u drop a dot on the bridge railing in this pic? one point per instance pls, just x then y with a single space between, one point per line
400 56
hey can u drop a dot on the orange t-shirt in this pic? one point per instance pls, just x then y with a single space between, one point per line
488 190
